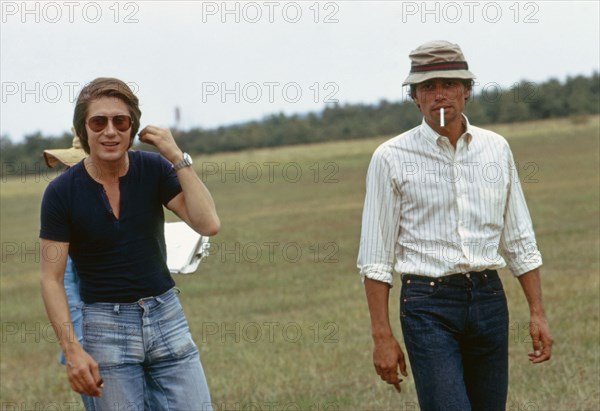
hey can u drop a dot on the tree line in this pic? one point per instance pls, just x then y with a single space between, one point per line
523 101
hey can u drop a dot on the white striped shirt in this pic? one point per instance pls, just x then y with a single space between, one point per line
432 210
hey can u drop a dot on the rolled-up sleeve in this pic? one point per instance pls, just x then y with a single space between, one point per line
380 220
518 243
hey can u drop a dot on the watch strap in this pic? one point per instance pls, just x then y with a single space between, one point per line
185 162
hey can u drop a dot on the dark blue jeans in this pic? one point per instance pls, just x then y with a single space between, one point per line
456 334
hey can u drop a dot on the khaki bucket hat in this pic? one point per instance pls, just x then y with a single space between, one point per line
437 59
68 156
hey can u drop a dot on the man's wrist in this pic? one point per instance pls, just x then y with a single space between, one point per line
174 159
381 335
537 312
71 347
185 161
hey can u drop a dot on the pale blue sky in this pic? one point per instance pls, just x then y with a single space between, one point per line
282 56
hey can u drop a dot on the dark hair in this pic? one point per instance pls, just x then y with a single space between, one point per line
105 87
467 83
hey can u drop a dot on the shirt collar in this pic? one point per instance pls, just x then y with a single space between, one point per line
433 137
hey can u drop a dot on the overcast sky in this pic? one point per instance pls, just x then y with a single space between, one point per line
229 62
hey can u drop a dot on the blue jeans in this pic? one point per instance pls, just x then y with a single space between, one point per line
145 351
456 334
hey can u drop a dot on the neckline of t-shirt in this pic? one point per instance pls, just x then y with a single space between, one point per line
121 179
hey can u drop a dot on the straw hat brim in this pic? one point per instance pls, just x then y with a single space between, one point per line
67 156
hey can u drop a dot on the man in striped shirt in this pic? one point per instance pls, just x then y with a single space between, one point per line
442 200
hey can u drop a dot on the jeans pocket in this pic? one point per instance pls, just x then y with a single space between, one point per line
418 291
105 341
495 286
176 335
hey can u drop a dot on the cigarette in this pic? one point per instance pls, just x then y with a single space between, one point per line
442 122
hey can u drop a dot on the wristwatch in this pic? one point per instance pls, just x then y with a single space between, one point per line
186 162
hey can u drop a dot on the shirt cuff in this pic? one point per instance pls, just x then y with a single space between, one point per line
529 262
377 272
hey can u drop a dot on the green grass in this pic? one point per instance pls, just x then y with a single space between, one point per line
293 330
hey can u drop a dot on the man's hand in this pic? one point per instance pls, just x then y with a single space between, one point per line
387 354
163 140
388 358
83 373
538 327
541 338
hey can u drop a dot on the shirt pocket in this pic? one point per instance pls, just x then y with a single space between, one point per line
491 205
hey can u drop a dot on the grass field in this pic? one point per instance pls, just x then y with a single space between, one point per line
278 309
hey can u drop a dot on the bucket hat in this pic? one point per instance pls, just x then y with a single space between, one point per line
437 59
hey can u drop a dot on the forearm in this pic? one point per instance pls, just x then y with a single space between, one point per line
197 207
538 327
55 296
82 370
57 310
377 299
199 203
531 284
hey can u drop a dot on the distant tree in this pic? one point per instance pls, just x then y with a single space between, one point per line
525 100
549 101
581 95
476 112
515 102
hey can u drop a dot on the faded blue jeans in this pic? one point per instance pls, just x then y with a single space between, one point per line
456 333
145 349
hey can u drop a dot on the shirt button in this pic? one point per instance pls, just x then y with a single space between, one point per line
432 283
468 275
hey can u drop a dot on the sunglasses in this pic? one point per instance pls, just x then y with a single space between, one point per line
121 122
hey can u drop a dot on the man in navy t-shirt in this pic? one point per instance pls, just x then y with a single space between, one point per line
106 213
118 259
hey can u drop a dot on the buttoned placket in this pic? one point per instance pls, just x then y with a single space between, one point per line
458 181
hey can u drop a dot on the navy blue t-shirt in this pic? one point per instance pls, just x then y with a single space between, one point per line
118 260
